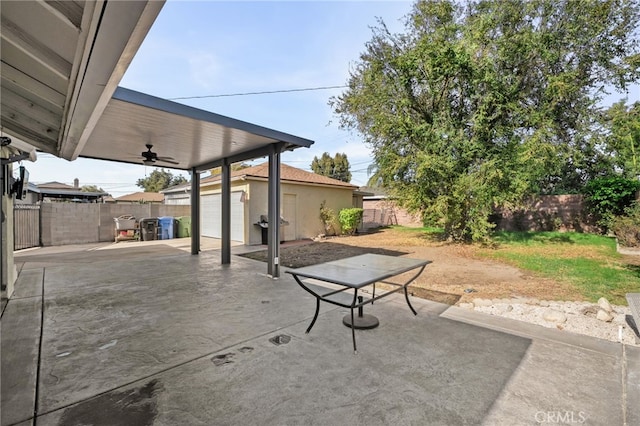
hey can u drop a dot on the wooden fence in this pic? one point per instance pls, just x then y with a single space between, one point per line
26 226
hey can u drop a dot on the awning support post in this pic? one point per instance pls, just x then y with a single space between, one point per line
225 253
273 251
195 211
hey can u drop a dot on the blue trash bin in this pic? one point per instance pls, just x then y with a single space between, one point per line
166 224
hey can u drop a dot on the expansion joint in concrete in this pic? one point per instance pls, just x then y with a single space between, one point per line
623 379
37 387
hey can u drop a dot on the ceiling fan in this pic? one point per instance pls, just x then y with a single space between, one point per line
151 157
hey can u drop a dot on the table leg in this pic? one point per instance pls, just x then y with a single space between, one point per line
406 293
315 316
353 334
406 296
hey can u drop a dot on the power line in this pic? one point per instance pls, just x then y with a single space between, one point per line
266 92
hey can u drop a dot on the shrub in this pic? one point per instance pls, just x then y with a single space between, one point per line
609 197
627 227
328 218
349 219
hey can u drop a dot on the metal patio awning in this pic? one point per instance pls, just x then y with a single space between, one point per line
193 138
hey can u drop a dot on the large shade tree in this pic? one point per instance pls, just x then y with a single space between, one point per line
160 179
478 104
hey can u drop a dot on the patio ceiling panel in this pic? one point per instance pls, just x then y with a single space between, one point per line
194 138
61 61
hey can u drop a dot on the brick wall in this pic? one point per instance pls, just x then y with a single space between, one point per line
76 223
383 212
544 213
547 213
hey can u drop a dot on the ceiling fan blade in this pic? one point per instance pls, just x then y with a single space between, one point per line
169 160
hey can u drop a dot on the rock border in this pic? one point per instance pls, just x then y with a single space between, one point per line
601 320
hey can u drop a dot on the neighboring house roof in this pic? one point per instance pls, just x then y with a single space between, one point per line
55 185
61 190
375 193
365 194
142 197
183 187
32 187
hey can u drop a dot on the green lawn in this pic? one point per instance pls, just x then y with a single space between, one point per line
588 262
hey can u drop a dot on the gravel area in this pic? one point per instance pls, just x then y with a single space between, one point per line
600 320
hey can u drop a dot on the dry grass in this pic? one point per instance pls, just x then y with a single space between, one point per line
455 267
554 267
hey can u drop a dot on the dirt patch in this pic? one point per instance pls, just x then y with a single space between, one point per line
319 252
457 274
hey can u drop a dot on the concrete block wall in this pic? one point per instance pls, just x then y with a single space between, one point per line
66 223
75 223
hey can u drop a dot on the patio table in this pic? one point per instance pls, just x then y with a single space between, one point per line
355 273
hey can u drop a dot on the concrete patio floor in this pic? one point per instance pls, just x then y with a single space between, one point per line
134 334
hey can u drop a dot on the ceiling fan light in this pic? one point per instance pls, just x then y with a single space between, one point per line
148 162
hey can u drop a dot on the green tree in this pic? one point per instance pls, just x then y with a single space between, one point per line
234 167
160 179
91 188
477 105
336 167
623 140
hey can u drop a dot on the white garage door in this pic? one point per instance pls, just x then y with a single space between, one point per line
211 217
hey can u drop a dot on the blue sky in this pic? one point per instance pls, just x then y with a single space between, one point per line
200 48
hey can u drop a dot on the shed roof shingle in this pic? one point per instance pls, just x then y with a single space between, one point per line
287 174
